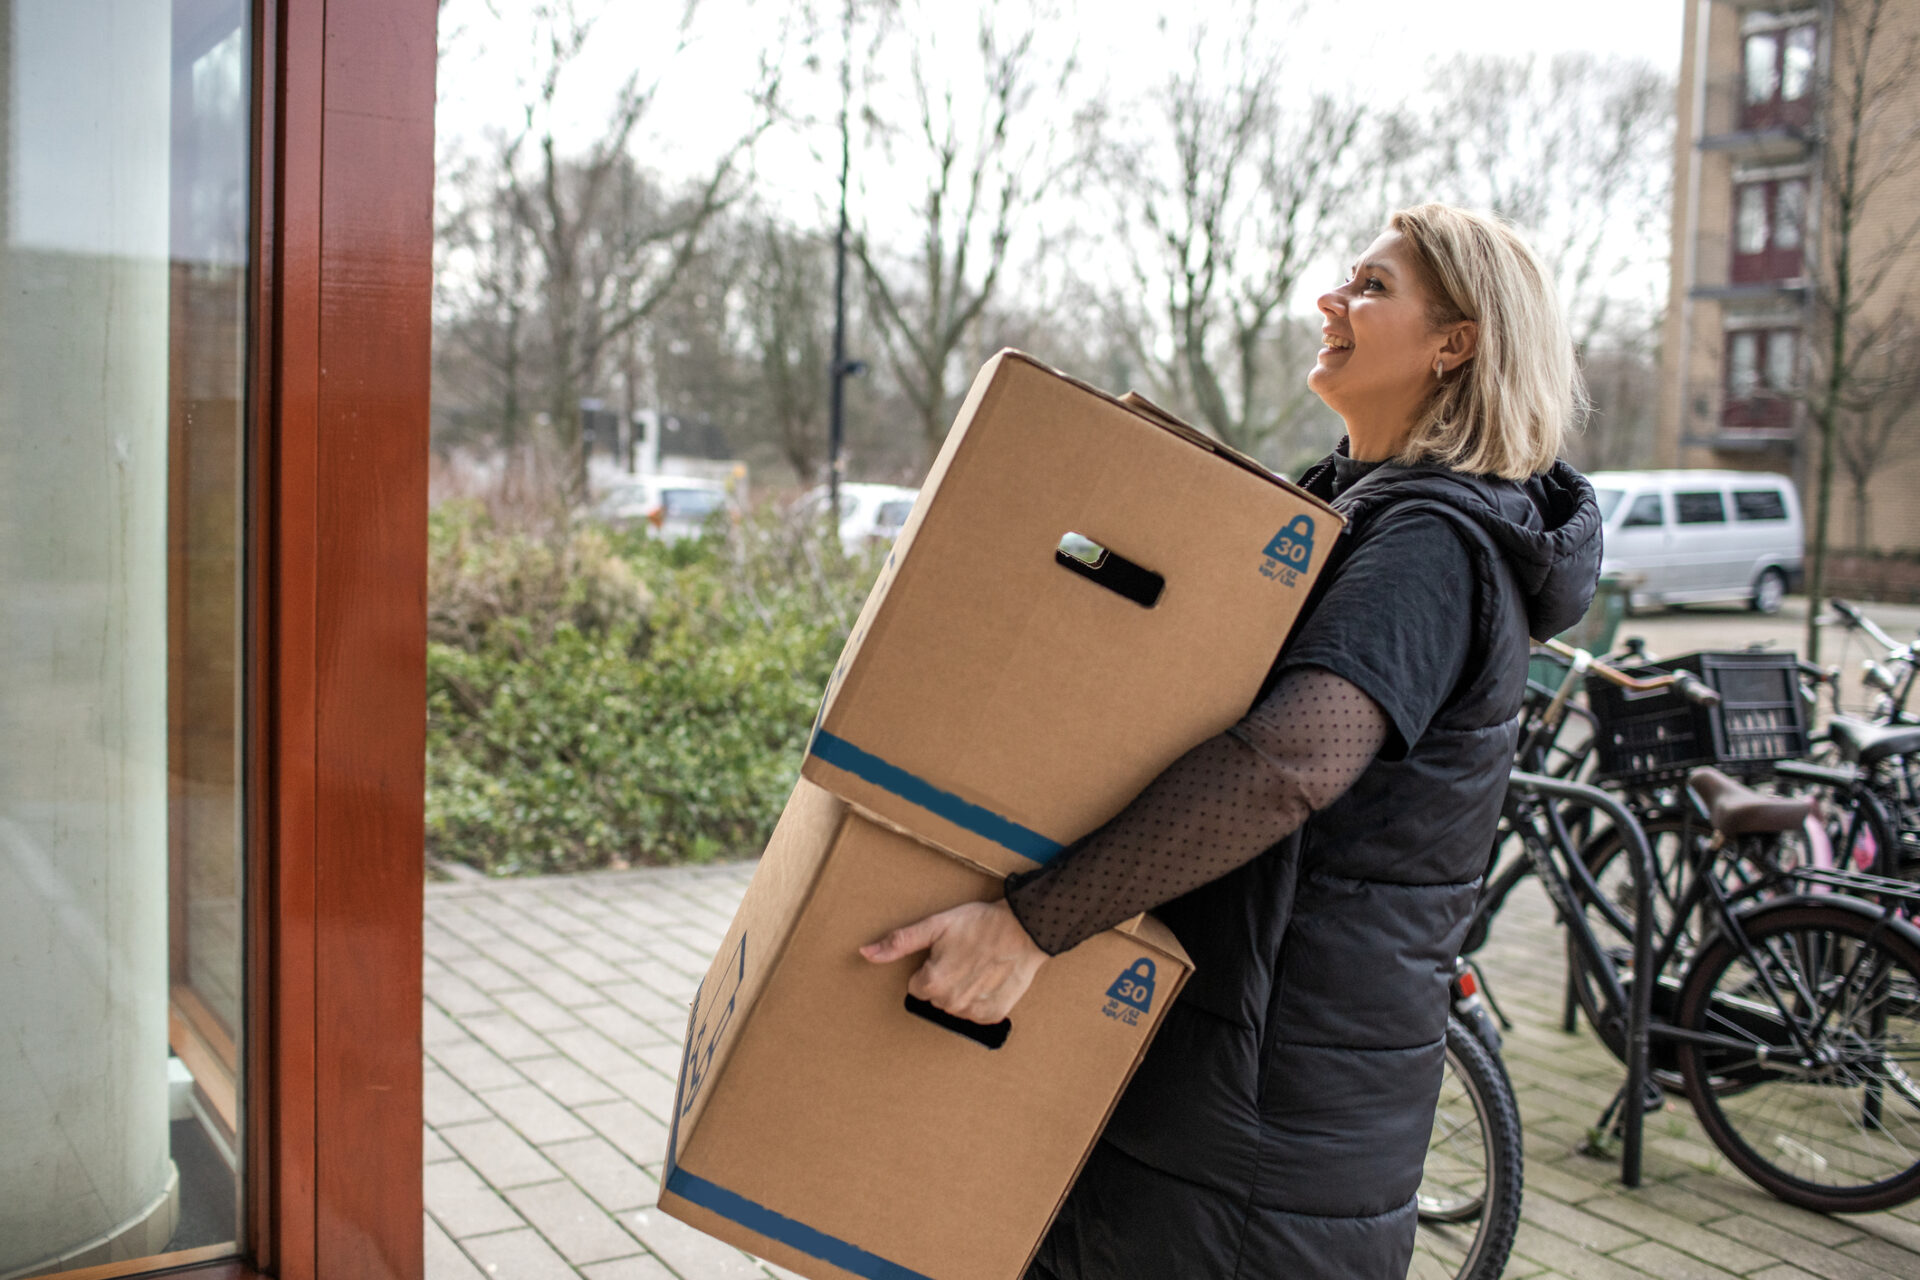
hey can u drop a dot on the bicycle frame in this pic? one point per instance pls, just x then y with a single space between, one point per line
1639 1003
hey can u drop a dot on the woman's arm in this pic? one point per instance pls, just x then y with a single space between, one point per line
1216 808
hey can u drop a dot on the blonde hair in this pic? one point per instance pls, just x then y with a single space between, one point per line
1506 411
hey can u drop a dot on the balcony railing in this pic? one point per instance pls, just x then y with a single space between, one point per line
1760 130
1716 278
1766 420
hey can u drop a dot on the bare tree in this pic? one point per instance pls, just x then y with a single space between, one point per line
1229 188
983 150
1578 153
1880 423
607 243
486 303
785 288
1870 148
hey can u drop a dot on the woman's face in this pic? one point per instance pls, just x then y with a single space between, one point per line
1376 367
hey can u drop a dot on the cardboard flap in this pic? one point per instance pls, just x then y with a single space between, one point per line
1140 406
1149 930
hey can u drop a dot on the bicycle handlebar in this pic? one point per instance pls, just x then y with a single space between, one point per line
1860 621
1684 683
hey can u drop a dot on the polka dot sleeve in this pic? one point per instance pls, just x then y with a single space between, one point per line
1216 808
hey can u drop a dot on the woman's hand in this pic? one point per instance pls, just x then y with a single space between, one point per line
982 960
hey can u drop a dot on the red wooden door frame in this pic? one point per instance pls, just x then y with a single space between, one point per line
343 222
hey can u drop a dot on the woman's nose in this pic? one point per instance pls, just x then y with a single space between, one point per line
1331 303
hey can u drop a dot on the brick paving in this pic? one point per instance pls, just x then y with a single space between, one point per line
553 1019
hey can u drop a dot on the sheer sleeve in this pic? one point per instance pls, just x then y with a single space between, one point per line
1216 808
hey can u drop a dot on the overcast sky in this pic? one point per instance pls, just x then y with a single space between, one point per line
1375 50
1378 52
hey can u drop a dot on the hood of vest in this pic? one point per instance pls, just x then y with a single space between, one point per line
1547 527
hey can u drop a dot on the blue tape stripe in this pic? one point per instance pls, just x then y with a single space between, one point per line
695 1189
842 754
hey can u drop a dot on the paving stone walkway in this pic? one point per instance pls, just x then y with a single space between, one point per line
555 1008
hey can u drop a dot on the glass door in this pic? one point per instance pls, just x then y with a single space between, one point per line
124 233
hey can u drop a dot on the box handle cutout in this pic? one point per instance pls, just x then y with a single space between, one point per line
991 1035
1109 569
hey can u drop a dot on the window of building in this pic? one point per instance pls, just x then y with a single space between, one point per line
1777 77
1645 512
125 241
1768 230
1762 366
1759 504
1789 213
1704 507
1796 64
1778 371
1750 233
1762 58
1743 365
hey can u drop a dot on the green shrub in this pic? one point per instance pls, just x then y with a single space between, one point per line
599 699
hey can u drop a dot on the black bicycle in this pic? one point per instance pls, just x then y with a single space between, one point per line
1470 1190
1786 1008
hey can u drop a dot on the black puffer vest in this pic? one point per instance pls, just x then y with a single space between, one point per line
1277 1128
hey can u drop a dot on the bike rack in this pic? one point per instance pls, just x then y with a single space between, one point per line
1640 1003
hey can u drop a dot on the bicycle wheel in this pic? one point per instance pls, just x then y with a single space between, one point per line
1820 1104
1470 1192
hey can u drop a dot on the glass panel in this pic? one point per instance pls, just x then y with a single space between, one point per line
1796 73
1759 504
1780 353
1646 511
124 184
1609 500
1789 213
1699 508
1750 224
1743 365
1762 70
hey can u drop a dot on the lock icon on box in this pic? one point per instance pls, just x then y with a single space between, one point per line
1293 545
1134 986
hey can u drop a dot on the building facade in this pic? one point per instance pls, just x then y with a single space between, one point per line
1772 239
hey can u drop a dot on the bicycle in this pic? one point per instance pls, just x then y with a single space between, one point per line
1791 1013
1470 1191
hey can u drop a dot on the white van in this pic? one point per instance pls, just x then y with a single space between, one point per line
1691 537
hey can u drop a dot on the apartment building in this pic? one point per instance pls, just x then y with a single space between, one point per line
1766 116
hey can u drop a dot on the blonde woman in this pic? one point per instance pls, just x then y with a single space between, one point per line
1320 858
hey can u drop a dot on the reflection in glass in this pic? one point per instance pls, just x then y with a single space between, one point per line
1797 64
1762 64
124 145
1743 365
1750 228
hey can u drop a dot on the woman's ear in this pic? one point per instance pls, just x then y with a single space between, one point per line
1462 341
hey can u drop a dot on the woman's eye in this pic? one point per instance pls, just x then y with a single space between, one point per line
1373 282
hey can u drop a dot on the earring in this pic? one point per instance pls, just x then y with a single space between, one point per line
1439 368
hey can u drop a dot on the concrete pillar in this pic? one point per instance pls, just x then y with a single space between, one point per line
85 1175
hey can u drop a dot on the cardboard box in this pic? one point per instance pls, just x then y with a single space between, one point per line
823 1126
1002 697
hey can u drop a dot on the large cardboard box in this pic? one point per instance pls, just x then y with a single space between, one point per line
822 1125
1003 694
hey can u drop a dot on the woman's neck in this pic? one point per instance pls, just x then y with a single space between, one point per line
1375 440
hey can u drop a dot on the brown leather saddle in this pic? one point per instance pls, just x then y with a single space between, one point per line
1738 810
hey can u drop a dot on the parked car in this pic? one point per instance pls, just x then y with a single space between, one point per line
870 514
674 506
1692 537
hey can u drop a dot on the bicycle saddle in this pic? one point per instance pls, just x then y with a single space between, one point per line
1736 810
1866 744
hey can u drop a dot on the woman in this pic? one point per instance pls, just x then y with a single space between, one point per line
1319 859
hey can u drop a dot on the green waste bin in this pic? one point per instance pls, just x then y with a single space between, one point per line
1594 632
